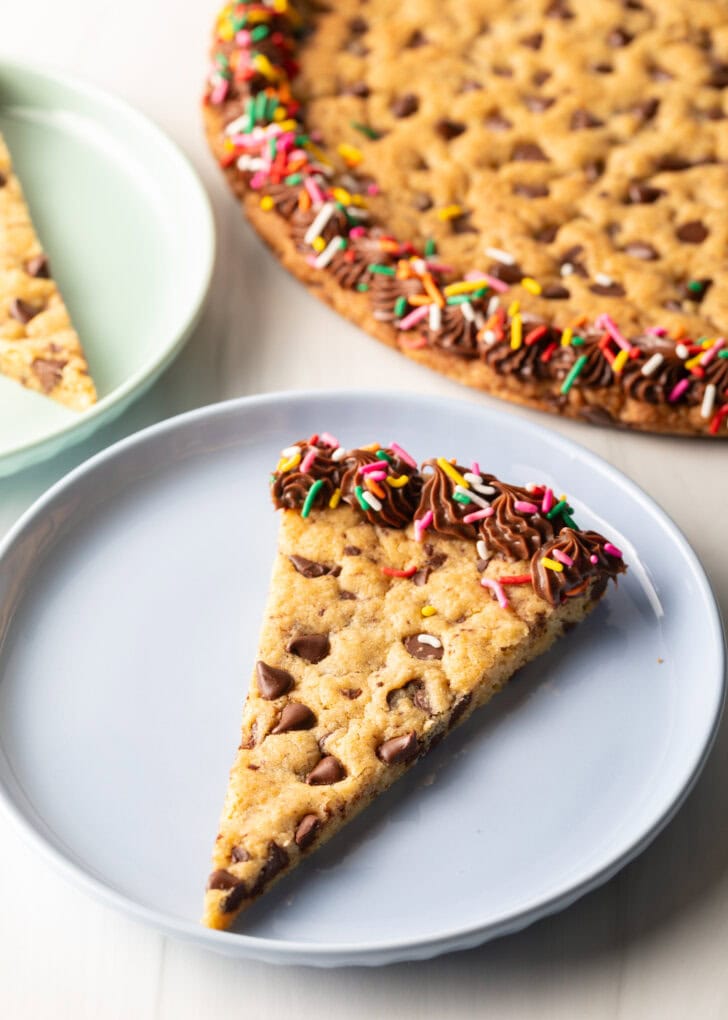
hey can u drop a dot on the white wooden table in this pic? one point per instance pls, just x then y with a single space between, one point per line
652 943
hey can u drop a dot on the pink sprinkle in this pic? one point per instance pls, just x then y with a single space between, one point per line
328 440
311 259
547 502
438 267
678 390
607 322
495 284
414 343
219 92
423 523
317 195
286 140
562 557
368 469
257 180
372 189
612 550
656 331
497 589
478 515
415 316
243 38
403 455
307 462
475 467
524 507
593 559
357 232
475 274
712 351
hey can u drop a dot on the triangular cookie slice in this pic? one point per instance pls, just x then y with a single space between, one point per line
401 600
38 345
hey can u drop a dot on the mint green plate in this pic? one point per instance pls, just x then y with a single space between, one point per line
129 232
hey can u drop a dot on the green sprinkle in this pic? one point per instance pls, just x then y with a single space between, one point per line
259 33
380 269
310 497
362 287
221 60
259 104
239 23
556 510
301 140
383 455
293 179
577 341
459 299
460 497
569 522
359 493
400 306
364 129
430 246
576 368
696 286
273 146
723 354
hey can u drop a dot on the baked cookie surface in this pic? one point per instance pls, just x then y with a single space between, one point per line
401 600
525 195
39 347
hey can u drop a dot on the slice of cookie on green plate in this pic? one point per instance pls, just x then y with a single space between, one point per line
402 599
39 347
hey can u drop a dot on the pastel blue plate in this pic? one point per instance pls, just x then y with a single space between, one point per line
130 600
129 231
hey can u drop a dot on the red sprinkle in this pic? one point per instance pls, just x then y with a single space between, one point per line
549 352
391 572
718 417
535 335
516 579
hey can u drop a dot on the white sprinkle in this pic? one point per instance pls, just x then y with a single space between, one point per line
489 337
250 163
468 312
435 317
682 351
706 409
372 500
493 305
339 454
428 639
479 320
504 257
652 364
472 496
324 215
477 483
603 280
356 213
567 269
482 549
419 266
241 123
334 245
290 451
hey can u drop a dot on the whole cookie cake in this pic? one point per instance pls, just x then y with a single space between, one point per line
526 195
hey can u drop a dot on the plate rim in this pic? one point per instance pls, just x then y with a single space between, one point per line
105 409
329 954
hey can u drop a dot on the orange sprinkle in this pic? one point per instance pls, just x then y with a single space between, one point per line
376 488
417 300
431 287
304 200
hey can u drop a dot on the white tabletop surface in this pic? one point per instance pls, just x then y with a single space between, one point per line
651 943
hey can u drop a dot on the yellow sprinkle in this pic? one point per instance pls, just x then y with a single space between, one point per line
693 361
261 63
280 6
428 610
316 152
531 285
259 15
464 287
288 465
226 32
552 564
279 113
358 200
452 473
706 343
398 482
351 155
266 203
319 244
516 332
449 212
514 308
342 195
620 361
335 499
287 125
566 336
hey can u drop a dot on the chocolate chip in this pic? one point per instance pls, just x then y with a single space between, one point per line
719 76
416 40
502 71
533 42
462 225
497 122
352 550
351 693
660 74
222 879
421 201
540 77
480 565
238 854
470 85
311 647
436 559
559 9
415 691
272 682
594 170
547 234
3 180
603 68
347 595
537 104
693 232
49 371
531 190
448 129
647 109
295 717
695 290
405 106
359 89
583 119
39 267
422 649
235 898
358 26
22 310
528 152
275 862
421 577
329 770
399 750
459 710
673 162
643 194
641 250
309 568
508 274
306 831
608 289
619 37
554 292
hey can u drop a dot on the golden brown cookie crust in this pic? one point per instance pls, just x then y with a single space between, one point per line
563 159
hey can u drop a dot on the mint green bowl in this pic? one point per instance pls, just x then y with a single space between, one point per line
128 228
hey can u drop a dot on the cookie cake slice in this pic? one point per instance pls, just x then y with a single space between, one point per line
39 347
401 600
